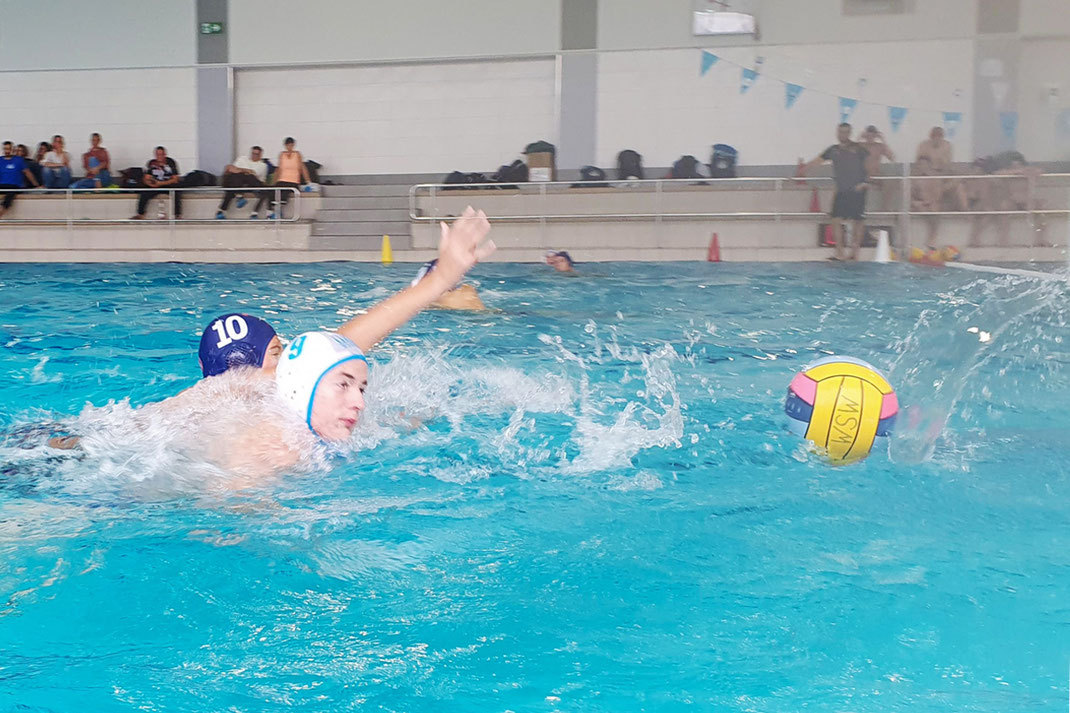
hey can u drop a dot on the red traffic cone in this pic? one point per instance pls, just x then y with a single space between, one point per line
713 253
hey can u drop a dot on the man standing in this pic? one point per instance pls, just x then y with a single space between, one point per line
873 142
13 175
160 172
849 170
248 171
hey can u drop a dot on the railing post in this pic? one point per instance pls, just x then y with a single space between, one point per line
904 212
70 210
778 187
657 213
1030 184
542 213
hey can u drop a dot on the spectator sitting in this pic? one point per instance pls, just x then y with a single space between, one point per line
97 166
160 172
1009 194
31 165
13 175
559 260
249 171
291 172
56 165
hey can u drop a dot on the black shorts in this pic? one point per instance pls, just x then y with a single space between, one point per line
850 205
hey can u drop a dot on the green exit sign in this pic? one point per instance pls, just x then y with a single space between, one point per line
211 28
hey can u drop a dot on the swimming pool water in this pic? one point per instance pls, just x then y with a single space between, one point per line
598 509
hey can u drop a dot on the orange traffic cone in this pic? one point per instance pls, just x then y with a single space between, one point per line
713 253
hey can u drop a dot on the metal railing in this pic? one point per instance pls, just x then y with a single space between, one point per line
166 197
430 193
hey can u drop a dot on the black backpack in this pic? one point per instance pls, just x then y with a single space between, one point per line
723 161
195 179
591 177
629 165
460 179
515 172
313 169
685 167
131 177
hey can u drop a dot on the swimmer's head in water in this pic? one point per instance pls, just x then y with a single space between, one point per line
233 340
322 375
559 259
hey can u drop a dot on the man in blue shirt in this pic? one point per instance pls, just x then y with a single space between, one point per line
13 175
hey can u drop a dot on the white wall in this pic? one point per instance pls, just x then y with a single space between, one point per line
1044 121
652 24
81 35
1044 18
469 116
135 110
280 31
657 103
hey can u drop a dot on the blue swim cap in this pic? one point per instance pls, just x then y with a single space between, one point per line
560 253
234 340
426 269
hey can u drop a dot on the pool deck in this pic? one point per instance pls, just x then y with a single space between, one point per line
522 238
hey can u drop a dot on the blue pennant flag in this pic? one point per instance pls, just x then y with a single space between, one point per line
847 107
952 119
1008 121
896 114
791 93
749 78
708 60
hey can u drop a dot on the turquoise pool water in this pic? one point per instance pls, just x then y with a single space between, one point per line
601 511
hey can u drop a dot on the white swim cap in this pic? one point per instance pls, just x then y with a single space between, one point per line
305 361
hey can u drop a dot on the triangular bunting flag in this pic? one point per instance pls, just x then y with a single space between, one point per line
791 93
1008 121
748 80
847 107
952 119
896 114
708 60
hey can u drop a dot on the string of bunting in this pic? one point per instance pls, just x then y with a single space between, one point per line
896 114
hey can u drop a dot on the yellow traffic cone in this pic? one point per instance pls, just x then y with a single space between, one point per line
388 254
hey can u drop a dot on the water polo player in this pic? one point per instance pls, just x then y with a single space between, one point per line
233 340
560 260
322 376
460 297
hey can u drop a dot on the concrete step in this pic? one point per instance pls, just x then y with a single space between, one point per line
366 202
372 190
329 214
358 242
370 228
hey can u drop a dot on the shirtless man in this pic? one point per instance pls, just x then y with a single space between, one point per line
935 155
872 141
